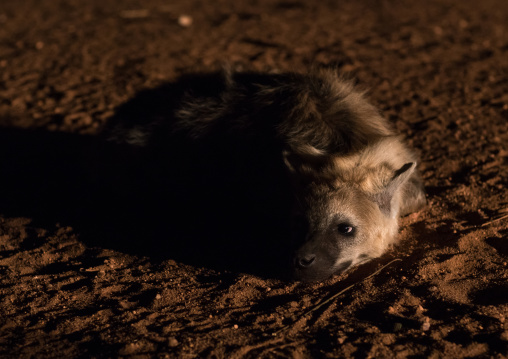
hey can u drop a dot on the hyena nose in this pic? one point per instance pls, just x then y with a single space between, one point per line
305 261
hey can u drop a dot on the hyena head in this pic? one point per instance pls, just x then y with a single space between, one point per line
352 174
341 224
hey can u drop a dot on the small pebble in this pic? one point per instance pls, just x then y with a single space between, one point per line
504 336
184 20
172 342
235 326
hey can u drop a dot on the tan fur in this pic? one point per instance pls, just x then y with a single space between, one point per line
371 169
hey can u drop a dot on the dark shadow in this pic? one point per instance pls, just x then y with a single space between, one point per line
495 294
220 203
375 314
499 243
472 218
440 308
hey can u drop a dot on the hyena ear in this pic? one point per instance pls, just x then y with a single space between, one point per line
303 166
301 158
413 196
384 199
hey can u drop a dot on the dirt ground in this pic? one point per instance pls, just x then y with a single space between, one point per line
437 69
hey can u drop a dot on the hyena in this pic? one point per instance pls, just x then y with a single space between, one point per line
351 175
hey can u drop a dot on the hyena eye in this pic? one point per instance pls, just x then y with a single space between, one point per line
346 229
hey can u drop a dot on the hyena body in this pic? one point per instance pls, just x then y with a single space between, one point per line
351 175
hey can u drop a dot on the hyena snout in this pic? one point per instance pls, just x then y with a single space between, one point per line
305 260
315 261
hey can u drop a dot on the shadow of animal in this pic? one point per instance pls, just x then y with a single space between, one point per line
115 198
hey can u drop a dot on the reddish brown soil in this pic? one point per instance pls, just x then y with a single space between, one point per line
437 69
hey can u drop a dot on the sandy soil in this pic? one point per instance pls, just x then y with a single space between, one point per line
71 286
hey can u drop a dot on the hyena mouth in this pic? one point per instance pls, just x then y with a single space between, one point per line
343 266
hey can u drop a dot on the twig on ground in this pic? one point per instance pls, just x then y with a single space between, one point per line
494 220
313 309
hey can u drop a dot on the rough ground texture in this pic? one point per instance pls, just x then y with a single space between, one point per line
437 69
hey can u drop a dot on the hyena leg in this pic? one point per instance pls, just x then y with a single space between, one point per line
413 195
